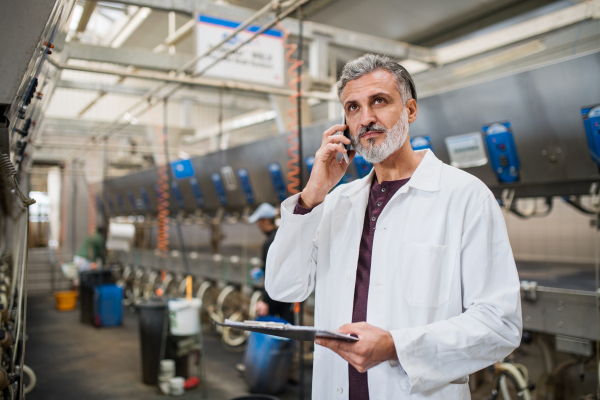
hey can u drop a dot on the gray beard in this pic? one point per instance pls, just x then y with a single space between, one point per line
394 139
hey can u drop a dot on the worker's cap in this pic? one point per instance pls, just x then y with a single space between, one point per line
265 210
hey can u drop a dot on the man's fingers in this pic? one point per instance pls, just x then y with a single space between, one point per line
332 130
337 139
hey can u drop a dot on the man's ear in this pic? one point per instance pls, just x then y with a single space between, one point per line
411 108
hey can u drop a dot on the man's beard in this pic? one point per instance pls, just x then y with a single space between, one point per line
394 139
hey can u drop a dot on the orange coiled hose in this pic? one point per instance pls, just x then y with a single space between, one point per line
162 242
293 176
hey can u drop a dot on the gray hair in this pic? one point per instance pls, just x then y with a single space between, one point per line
370 63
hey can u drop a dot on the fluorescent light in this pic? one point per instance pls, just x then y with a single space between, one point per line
500 58
414 66
133 24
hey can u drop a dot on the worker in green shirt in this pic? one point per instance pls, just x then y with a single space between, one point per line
91 252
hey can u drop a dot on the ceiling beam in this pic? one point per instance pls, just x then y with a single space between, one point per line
338 37
88 10
206 99
482 17
138 58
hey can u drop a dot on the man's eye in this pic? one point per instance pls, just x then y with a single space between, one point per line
352 107
378 100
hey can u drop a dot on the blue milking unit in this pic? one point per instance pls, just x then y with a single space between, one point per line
219 188
100 205
242 173
197 192
278 183
134 203
111 207
591 121
145 199
120 202
421 143
309 162
177 194
502 151
363 167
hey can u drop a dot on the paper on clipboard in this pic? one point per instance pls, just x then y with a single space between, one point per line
303 333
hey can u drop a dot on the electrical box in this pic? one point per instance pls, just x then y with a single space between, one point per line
363 167
502 151
591 121
278 182
219 188
421 143
182 169
242 174
197 192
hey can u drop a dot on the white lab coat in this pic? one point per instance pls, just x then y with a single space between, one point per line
443 281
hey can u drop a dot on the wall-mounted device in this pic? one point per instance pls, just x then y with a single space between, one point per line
219 188
242 173
466 151
421 143
591 121
197 192
182 169
363 167
502 151
278 183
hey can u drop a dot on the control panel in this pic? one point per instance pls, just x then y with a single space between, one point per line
591 121
242 174
502 151
421 143
219 188
278 183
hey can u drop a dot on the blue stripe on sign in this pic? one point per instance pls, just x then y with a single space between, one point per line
232 24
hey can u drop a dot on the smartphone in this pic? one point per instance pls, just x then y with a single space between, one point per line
348 147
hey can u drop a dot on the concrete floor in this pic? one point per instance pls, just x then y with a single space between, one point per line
74 361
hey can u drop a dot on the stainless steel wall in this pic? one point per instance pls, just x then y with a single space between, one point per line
543 106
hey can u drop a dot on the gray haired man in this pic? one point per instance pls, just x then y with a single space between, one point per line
414 259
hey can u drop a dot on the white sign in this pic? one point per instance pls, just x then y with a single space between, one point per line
466 151
260 61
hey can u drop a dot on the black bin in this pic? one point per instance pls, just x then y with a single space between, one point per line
152 318
87 281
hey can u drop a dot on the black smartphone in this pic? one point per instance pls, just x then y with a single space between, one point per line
346 133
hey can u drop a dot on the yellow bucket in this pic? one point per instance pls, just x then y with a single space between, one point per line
66 300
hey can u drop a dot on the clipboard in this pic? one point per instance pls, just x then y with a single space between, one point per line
302 333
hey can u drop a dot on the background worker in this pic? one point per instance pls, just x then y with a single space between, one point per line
264 217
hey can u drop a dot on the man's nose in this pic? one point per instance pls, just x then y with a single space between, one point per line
367 117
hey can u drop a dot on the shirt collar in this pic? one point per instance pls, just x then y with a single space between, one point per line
426 177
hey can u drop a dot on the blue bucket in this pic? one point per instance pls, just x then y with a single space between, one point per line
268 361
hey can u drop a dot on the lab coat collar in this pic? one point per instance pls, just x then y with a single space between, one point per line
426 177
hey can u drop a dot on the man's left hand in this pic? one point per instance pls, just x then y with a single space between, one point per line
373 347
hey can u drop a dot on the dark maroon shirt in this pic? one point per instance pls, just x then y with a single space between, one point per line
378 198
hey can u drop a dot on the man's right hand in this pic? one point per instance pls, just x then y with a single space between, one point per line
326 171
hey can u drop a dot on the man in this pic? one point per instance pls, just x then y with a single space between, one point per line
264 217
414 259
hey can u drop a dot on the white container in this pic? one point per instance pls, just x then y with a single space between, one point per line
176 386
167 369
184 316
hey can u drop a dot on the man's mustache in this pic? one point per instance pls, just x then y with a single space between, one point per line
371 127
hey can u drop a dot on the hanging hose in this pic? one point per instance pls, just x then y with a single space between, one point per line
162 242
293 176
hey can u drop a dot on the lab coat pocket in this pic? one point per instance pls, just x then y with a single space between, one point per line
426 273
